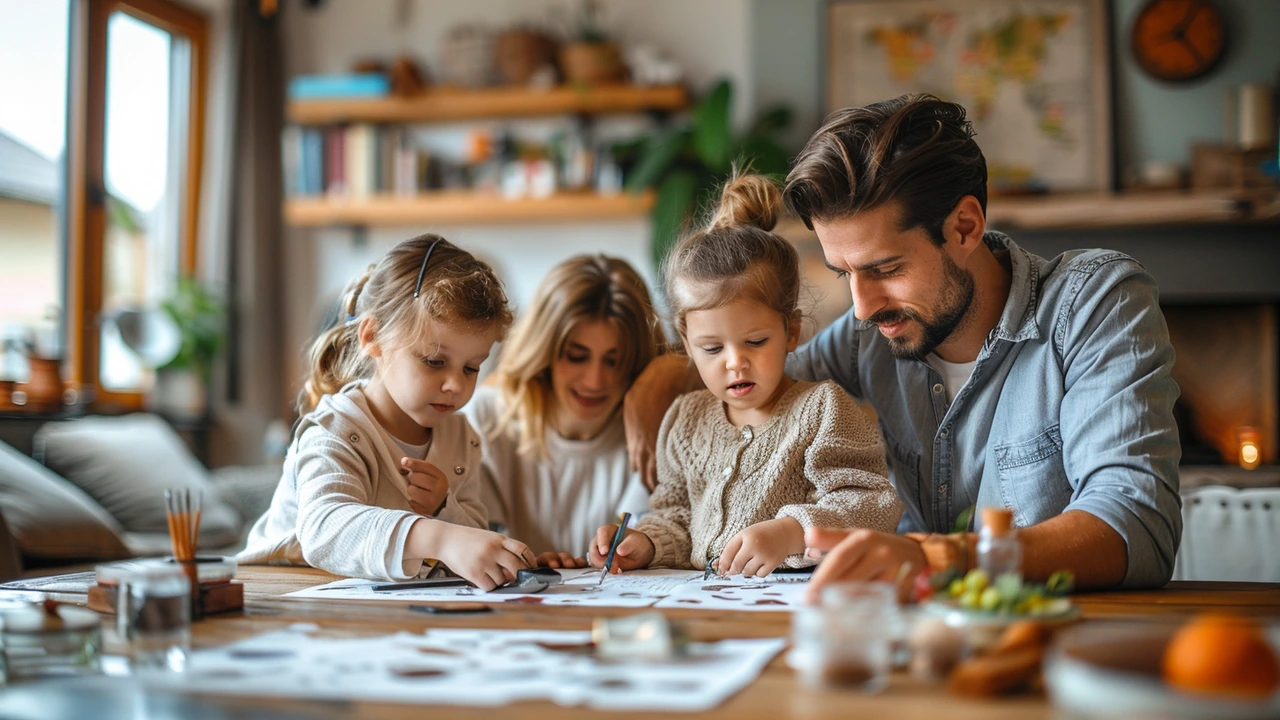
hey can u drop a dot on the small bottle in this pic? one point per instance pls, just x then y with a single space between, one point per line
999 552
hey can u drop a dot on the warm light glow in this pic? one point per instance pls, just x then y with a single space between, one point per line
1250 453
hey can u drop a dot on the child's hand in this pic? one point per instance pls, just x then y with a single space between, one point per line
485 558
428 486
762 547
634 552
560 560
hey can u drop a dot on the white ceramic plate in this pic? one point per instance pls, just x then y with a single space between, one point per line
1113 670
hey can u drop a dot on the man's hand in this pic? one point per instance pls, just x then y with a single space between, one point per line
862 555
560 560
428 486
760 548
634 552
643 406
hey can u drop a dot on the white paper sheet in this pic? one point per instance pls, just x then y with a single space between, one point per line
471 667
638 588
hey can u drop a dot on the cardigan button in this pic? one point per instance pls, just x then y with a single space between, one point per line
458 470
746 432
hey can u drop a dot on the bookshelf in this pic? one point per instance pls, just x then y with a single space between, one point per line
461 207
455 104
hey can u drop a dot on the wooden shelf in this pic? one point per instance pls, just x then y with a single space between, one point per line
451 104
1125 210
462 208
1100 210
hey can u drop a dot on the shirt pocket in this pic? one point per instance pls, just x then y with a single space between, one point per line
1033 482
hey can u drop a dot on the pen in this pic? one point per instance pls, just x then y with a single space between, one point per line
613 546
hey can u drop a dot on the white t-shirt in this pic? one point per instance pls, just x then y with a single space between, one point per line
954 375
559 502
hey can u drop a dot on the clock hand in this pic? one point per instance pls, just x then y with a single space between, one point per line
1180 32
1192 9
1192 49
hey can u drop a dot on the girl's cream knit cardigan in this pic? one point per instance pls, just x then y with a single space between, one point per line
818 460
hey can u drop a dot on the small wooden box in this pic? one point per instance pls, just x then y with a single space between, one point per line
1224 166
214 597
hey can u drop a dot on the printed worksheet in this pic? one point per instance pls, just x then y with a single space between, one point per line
755 594
639 588
472 667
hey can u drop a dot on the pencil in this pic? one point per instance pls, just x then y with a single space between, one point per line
613 546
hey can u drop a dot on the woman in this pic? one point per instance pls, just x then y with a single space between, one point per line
555 456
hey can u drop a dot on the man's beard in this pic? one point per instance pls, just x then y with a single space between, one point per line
954 302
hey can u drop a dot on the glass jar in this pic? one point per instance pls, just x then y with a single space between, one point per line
50 640
847 640
153 615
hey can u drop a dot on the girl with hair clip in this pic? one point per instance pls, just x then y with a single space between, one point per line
750 463
555 456
383 474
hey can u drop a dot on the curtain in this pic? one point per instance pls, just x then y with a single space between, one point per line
249 393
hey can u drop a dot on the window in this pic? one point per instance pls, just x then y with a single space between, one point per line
104 102
33 197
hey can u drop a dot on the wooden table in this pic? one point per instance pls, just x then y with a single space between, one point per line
775 694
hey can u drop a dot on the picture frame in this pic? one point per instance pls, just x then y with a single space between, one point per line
1034 75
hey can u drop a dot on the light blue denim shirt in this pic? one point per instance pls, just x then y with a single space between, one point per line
1069 407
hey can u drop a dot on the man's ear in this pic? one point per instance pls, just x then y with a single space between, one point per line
367 332
793 330
965 226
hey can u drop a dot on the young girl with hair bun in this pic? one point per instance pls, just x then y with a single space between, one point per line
383 474
750 463
555 456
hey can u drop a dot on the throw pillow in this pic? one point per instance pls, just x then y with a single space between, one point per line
51 518
126 463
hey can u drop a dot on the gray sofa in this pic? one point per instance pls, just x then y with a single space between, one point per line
93 490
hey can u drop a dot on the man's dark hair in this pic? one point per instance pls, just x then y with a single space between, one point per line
915 149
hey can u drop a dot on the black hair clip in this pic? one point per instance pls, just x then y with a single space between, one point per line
423 270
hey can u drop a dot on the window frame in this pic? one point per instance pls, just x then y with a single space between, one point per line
86 186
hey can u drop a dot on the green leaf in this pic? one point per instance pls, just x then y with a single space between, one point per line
656 158
712 136
772 120
676 200
764 157
963 520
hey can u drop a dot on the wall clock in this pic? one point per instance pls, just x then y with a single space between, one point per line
1178 40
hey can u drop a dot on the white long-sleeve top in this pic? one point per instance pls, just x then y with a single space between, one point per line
342 504
558 502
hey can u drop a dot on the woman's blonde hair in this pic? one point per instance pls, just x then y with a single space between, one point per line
581 289
454 288
736 257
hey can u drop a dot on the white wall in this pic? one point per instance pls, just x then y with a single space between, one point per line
711 40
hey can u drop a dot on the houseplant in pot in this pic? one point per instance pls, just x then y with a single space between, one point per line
182 383
687 162
589 57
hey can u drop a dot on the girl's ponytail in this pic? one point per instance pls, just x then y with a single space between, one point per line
335 357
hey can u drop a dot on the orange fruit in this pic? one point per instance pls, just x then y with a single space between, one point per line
1222 655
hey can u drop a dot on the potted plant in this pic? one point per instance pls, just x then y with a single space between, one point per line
182 382
591 58
687 163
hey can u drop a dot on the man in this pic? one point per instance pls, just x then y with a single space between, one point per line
1001 379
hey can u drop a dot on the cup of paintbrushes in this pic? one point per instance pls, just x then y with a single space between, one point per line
183 510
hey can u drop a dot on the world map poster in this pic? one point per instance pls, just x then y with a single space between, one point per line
1032 75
